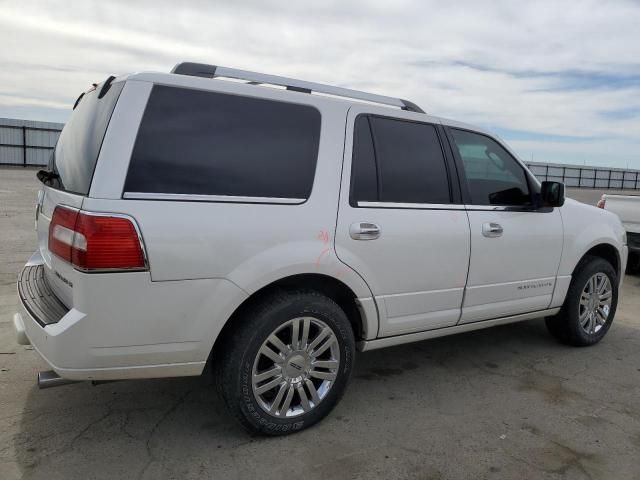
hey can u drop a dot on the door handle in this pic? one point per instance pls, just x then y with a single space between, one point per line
364 231
492 230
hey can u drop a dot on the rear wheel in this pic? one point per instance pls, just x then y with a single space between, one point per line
286 363
590 305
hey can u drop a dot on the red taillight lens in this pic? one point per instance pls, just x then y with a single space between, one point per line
95 241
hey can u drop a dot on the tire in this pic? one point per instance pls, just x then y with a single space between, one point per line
244 367
574 324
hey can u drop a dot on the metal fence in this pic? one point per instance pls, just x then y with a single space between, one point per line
587 177
27 143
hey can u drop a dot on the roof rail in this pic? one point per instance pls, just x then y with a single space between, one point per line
211 71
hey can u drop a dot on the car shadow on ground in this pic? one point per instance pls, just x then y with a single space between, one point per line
407 409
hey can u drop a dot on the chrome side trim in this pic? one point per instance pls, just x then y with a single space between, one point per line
186 197
364 346
419 206
507 208
497 208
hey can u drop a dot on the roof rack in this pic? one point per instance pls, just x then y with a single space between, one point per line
212 71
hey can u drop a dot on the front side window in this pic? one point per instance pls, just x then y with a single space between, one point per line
397 161
205 143
494 177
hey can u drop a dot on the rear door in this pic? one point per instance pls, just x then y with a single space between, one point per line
399 223
515 246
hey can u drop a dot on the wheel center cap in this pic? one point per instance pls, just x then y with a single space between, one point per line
296 365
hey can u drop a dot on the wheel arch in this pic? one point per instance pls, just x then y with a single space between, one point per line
607 252
358 314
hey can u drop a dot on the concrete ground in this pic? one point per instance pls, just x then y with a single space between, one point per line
506 402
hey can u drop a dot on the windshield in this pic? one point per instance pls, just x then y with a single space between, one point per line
76 152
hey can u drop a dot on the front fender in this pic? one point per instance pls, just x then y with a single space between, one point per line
586 227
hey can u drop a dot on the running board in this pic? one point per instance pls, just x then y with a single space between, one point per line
366 345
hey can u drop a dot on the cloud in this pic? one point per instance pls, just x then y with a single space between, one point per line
536 72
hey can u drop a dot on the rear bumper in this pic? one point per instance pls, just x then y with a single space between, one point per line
18 328
64 343
123 326
37 297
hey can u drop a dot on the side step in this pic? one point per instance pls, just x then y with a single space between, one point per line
50 379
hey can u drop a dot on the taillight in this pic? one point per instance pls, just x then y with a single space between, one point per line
602 201
96 241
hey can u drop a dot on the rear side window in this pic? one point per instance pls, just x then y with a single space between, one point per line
397 161
206 143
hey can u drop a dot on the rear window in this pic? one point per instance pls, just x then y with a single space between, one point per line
205 143
76 153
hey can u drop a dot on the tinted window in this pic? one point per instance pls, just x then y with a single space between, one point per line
364 177
494 177
398 161
76 153
197 142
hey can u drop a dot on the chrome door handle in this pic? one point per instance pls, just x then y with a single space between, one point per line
364 231
492 230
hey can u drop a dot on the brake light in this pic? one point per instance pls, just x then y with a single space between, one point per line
96 241
602 201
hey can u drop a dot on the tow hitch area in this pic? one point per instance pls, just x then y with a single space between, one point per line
50 379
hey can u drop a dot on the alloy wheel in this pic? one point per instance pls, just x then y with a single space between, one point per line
595 303
295 367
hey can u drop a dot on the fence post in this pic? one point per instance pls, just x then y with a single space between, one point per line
609 181
24 146
580 177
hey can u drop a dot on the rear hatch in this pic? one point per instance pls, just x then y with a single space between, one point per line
67 178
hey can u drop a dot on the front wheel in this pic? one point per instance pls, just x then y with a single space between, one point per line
590 305
286 362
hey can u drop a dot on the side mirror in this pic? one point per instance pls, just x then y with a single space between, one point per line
552 194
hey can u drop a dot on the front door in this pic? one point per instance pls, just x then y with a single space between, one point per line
398 225
515 247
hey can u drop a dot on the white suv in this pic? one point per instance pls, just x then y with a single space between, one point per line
271 227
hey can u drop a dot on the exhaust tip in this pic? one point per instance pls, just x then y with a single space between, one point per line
50 379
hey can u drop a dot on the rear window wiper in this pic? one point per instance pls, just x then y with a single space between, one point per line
46 176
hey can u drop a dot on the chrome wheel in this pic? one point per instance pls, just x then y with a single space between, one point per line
295 367
595 303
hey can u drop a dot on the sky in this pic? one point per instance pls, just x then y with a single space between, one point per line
559 81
